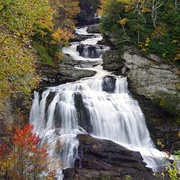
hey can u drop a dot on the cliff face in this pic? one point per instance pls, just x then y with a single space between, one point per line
155 84
155 79
149 76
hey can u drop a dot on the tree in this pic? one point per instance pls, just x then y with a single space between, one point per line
24 158
152 26
64 20
17 65
64 17
24 17
156 4
19 20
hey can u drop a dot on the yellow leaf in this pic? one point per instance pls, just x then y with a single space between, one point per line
123 21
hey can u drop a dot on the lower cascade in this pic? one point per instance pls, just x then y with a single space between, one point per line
100 106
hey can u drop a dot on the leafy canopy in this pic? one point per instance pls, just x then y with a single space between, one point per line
20 19
152 26
24 17
51 24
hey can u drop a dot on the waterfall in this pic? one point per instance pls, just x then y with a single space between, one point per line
100 105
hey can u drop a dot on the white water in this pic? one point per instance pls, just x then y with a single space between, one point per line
90 41
113 115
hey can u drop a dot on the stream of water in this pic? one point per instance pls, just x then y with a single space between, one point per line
110 110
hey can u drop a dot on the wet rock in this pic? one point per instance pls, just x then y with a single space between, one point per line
80 49
109 84
93 28
87 64
90 51
57 116
112 61
81 37
82 113
100 159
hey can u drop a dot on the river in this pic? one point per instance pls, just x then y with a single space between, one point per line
109 111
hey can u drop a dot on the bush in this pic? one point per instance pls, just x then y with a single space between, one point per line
22 157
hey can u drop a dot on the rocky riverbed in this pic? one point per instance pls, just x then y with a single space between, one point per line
100 159
154 83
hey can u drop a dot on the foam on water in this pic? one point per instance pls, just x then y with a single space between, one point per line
113 115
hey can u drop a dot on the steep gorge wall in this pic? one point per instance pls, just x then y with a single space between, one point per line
149 76
155 84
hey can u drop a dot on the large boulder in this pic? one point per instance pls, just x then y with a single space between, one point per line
112 61
93 28
104 159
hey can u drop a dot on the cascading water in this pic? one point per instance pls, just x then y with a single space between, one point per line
100 105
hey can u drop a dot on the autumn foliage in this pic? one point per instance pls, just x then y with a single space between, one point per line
23 157
152 26
49 23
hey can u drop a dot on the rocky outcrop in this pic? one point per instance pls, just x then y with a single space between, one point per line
154 83
153 78
112 61
64 72
149 76
104 159
110 39
82 113
90 51
93 28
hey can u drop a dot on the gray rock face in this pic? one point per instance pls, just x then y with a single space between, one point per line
153 78
93 28
148 76
112 61
104 159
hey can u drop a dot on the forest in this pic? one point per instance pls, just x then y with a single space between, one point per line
32 33
152 26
